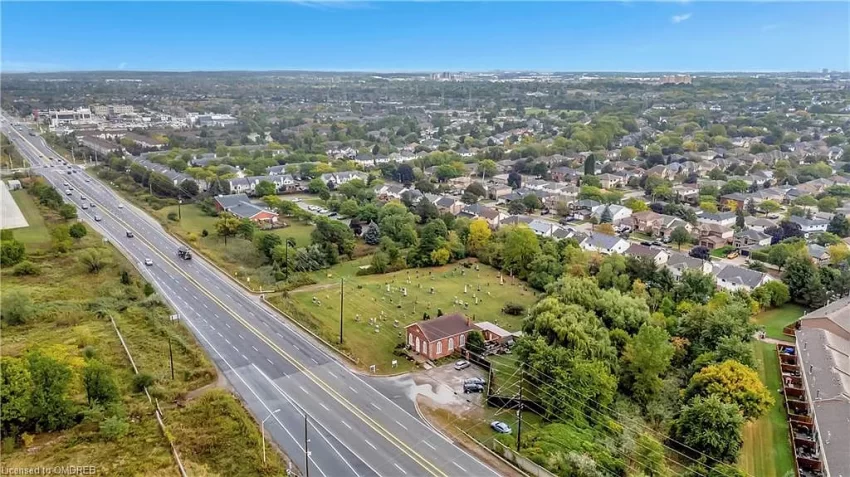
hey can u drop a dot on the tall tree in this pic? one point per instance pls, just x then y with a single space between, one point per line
52 410
479 236
227 226
15 395
647 358
99 383
712 427
679 236
732 382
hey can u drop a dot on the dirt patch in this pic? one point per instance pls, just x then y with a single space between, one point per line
219 383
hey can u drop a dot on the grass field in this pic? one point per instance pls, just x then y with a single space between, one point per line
35 236
767 449
366 297
239 257
216 435
776 319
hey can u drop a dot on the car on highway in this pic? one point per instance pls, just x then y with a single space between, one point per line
88 180
67 191
500 427
91 204
82 197
85 206
296 199
120 205
97 218
462 364
65 184
130 234
69 172
148 262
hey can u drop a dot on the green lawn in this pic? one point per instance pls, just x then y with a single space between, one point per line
722 252
367 297
239 257
767 448
776 319
36 235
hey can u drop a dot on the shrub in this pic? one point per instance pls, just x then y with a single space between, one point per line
141 381
17 308
114 428
148 289
78 230
89 352
204 233
26 268
27 439
11 252
125 277
513 309
172 216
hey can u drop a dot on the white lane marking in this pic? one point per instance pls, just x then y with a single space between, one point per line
241 337
458 466
324 407
296 348
370 444
314 361
278 334
332 374
227 325
227 341
375 406
270 361
234 348
305 391
399 468
402 425
245 358
429 445
355 391
205 306
212 327
346 425
205 320
255 348
219 334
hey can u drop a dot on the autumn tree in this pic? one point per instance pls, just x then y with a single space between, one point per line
732 382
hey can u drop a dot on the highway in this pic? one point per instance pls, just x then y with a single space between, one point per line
280 373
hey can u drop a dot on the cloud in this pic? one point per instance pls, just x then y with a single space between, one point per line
122 65
680 18
771 27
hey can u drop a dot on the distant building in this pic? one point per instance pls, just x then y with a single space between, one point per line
112 109
240 206
676 79
438 337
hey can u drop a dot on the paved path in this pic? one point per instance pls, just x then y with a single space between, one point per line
11 216
772 340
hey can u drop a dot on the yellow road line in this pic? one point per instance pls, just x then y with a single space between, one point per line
407 450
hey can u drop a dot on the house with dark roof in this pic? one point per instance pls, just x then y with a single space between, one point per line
749 240
474 211
438 337
679 263
241 206
809 226
603 243
657 255
734 278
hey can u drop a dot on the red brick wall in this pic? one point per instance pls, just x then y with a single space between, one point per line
432 345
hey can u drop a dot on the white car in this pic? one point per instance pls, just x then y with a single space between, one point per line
148 262
120 205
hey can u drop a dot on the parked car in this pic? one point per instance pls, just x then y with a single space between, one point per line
480 381
462 364
472 388
646 244
732 255
500 427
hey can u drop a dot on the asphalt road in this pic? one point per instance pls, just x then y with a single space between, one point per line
281 374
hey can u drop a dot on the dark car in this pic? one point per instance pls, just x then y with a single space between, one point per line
472 388
645 243
475 381
658 244
130 234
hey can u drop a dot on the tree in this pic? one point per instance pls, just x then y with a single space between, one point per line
770 206
839 225
264 188
647 358
605 217
475 342
803 281
94 259
694 286
514 180
246 229
479 236
99 383
709 206
828 204
190 188
317 186
838 253
266 242
516 207
679 236
702 253
636 205
771 294
227 226
11 252
17 307
532 202
405 174
78 230
334 238
52 410
520 248
349 208
732 382
68 211
739 219
590 165
487 168
15 395
372 235
712 427
650 456
628 153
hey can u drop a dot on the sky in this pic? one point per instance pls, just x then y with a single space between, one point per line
380 36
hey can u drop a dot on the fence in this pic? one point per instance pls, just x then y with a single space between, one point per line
520 460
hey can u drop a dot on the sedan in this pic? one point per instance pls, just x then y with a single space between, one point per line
120 205
462 364
97 218
148 262
500 427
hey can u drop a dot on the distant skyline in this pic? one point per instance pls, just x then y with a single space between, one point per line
336 35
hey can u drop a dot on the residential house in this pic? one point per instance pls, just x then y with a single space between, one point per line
758 224
339 178
687 193
657 255
611 181
749 240
738 198
241 206
617 212
714 236
438 337
543 228
646 222
494 333
818 253
565 174
605 244
726 219
679 263
446 203
98 145
491 215
810 226
734 278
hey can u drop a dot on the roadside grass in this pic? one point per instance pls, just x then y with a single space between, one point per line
240 258
64 324
767 450
366 297
776 319
35 236
476 422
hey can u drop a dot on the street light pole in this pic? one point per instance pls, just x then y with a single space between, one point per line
179 212
263 428
306 451
341 305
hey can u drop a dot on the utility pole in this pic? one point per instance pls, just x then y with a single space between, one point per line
306 449
519 411
171 358
179 212
341 304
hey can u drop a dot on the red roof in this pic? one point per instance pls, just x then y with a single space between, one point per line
443 326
